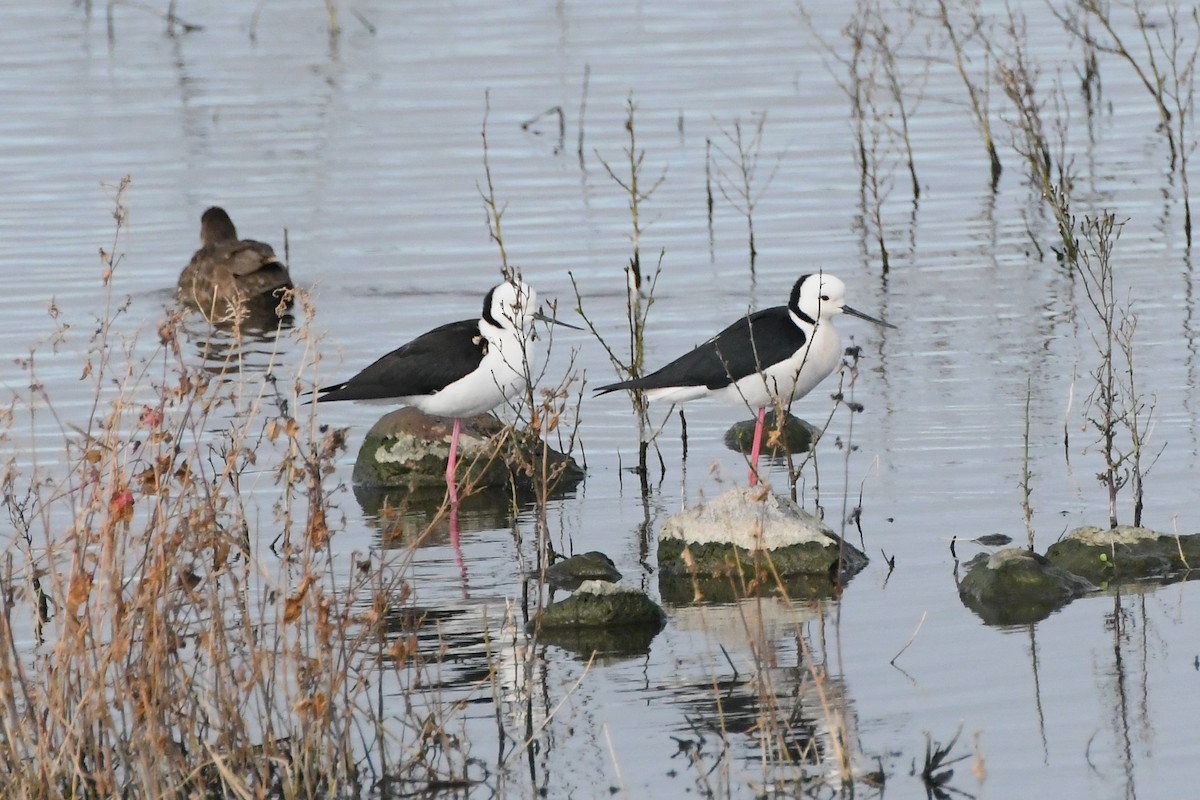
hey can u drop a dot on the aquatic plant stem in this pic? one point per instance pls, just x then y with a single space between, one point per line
1026 474
976 95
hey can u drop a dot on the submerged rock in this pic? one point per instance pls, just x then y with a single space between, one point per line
570 573
410 449
1017 587
1124 553
992 540
746 541
794 436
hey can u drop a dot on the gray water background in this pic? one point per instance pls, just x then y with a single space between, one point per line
367 149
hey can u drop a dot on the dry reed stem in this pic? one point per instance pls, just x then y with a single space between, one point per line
174 653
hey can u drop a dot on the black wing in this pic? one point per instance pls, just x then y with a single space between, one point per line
747 346
424 366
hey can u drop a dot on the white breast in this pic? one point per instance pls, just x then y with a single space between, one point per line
792 378
501 375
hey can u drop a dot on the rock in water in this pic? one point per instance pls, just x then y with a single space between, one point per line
1125 553
601 618
593 565
753 534
794 436
600 604
1017 587
408 448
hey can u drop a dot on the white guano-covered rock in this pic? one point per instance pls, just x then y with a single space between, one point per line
752 518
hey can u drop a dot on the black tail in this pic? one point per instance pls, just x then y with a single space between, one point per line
326 393
616 387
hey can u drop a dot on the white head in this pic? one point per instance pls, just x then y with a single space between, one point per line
510 306
819 297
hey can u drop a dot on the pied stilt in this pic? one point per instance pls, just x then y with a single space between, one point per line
777 354
459 369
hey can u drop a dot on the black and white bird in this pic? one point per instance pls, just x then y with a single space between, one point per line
459 369
227 271
776 354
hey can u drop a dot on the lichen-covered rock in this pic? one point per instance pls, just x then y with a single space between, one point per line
1124 553
794 436
1016 586
570 573
407 448
746 541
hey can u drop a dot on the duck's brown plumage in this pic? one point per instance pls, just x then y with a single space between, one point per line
227 271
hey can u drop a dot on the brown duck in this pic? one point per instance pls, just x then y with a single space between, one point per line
226 271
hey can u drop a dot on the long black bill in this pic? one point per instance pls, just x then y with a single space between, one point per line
538 315
856 313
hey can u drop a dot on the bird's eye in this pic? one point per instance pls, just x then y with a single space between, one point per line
825 297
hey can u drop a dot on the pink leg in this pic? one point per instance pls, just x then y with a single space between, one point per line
452 462
754 450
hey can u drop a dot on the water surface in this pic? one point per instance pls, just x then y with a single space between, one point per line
367 150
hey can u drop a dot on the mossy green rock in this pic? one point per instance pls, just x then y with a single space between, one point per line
1124 553
721 560
794 436
407 448
1017 587
751 576
571 572
601 641
600 604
